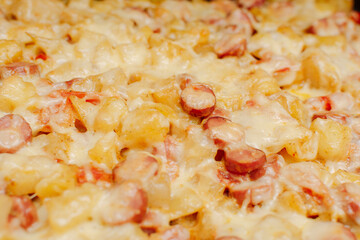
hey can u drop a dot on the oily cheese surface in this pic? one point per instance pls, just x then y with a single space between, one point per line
179 120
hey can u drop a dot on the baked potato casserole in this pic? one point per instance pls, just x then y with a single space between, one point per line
179 120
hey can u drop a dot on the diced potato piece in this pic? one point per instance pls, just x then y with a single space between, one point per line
293 105
136 54
304 149
163 109
158 192
113 82
195 35
110 114
86 111
318 70
10 51
56 183
144 126
206 227
58 145
23 173
68 70
22 182
5 207
298 111
16 92
89 84
168 95
140 86
163 49
300 94
72 207
146 31
5 104
198 147
334 138
331 44
263 83
184 201
210 186
105 150
297 42
342 176
291 201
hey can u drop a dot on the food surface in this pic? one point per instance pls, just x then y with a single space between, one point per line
178 120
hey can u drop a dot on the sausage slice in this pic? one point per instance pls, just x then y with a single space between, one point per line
139 166
223 131
198 100
231 45
244 159
126 202
15 132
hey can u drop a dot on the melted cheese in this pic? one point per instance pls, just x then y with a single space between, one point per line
269 127
91 52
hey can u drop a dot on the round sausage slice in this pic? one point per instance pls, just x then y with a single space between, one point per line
231 45
15 132
138 166
126 202
198 100
223 131
244 159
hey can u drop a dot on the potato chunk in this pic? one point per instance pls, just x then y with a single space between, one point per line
16 91
22 173
62 179
144 126
110 114
72 207
334 138
320 72
185 201
58 145
9 51
105 150
304 149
